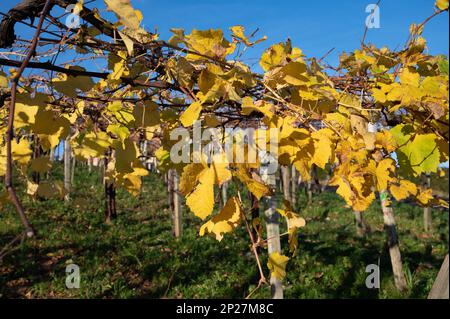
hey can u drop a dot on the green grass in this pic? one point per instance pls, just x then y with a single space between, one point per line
137 256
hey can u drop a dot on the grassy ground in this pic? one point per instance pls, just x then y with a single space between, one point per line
137 256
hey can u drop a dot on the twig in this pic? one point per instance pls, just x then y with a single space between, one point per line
367 27
6 250
10 130
254 244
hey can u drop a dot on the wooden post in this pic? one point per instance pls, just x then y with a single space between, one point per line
440 286
312 183
392 239
52 154
286 177
255 215
67 168
361 226
170 176
427 218
72 175
110 202
36 176
309 191
110 193
177 212
294 181
224 194
273 236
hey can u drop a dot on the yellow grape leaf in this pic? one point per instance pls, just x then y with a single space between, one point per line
122 132
21 152
295 74
41 164
209 43
164 161
303 167
248 107
440 202
117 63
91 145
132 184
24 115
68 85
410 78
130 17
418 153
355 188
201 199
126 153
361 55
181 70
206 81
146 115
274 56
403 190
425 196
323 147
178 36
122 112
224 222
339 121
384 173
294 220
129 44
423 153
384 139
190 176
191 114
51 128
253 182
27 108
221 171
3 80
277 265
51 190
32 188
360 125
442 4
132 181
238 32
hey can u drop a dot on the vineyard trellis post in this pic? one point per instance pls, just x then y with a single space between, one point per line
392 241
361 226
427 215
273 236
177 211
67 168
294 184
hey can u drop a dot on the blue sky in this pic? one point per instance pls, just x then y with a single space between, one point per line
314 26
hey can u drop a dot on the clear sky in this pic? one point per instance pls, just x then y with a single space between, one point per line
314 26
